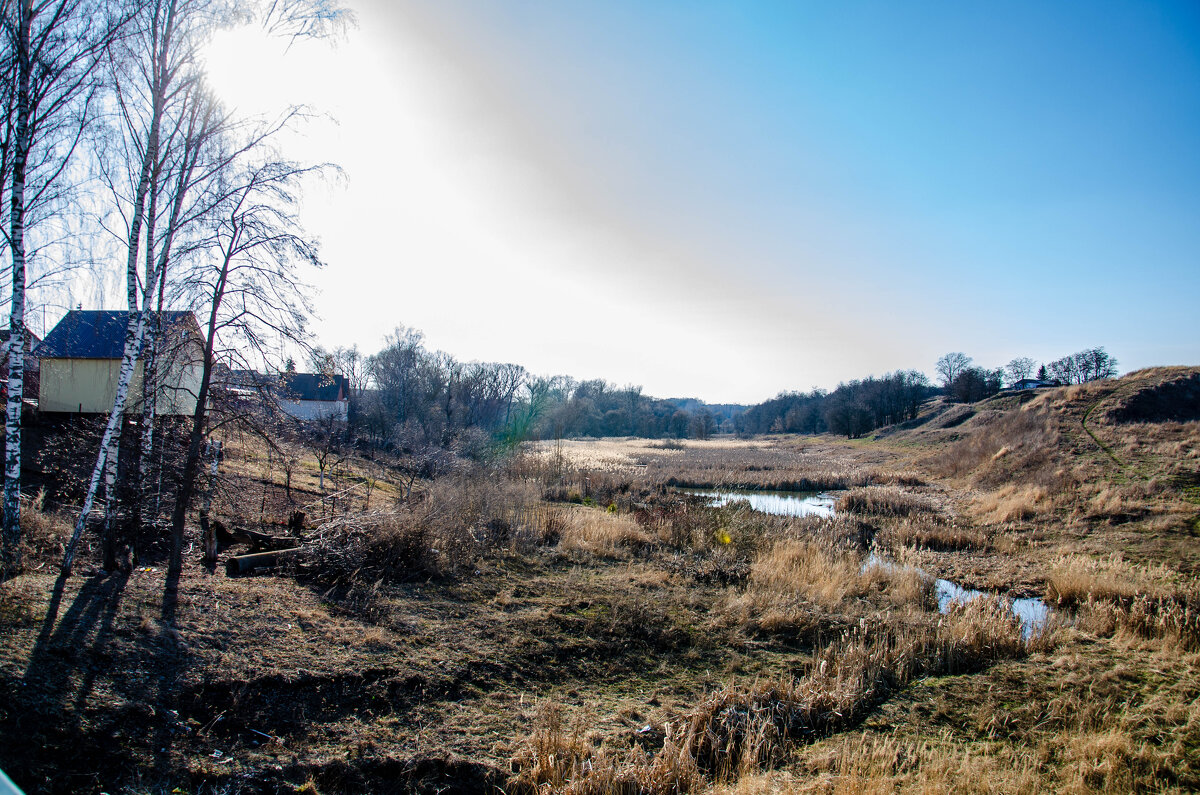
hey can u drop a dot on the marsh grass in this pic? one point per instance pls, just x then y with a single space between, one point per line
1174 622
600 532
738 730
885 501
939 536
1076 579
829 576
559 756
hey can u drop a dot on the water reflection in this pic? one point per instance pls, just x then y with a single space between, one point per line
780 503
1032 612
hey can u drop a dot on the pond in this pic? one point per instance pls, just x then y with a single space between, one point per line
1032 612
781 503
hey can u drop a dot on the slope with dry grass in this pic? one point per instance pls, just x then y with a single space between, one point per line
567 622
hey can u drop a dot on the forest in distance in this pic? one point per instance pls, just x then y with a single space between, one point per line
420 398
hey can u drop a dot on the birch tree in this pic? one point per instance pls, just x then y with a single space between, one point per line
252 284
51 52
194 161
168 123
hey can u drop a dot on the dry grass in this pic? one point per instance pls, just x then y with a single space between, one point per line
776 465
937 536
44 535
1076 579
828 577
1012 503
600 532
885 501
457 520
738 730
560 756
673 647
20 602
1173 622
1017 446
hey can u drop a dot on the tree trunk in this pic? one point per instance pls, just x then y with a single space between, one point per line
134 332
191 465
208 533
17 332
144 453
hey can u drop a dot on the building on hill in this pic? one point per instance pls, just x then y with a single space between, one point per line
1033 383
81 362
314 396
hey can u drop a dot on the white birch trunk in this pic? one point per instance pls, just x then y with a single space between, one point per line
16 336
134 332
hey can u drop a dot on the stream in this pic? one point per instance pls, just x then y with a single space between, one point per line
1032 612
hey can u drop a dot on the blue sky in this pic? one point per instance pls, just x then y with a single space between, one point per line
731 199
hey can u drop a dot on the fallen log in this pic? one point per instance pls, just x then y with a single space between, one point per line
259 542
244 564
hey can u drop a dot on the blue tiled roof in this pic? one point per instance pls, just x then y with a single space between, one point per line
98 334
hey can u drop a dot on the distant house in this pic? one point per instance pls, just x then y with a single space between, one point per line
1032 383
81 361
314 396
32 367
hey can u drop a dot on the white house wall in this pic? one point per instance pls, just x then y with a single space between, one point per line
90 386
316 409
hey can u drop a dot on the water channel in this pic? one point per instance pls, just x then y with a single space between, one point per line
1032 612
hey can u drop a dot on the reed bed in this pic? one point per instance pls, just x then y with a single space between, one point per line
939 536
600 532
1173 621
1077 579
886 502
739 730
829 577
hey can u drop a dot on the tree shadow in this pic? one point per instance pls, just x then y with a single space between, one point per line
83 630
170 664
61 675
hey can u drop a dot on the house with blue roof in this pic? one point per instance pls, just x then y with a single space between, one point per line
81 361
314 396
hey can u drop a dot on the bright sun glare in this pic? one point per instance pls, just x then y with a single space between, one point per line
250 70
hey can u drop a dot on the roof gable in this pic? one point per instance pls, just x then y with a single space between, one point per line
312 386
100 334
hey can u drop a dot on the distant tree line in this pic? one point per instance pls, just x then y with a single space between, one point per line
964 383
859 407
412 398
853 409
1078 368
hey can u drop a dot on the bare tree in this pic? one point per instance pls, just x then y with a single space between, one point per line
50 53
1087 365
950 366
1019 368
177 138
249 279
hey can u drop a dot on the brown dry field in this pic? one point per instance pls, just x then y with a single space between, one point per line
564 621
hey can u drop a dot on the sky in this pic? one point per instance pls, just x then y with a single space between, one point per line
727 200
